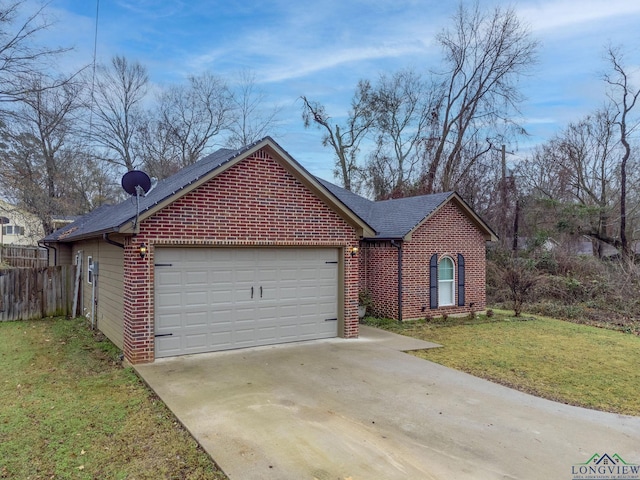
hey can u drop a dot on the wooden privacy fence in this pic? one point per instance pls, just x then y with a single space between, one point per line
23 257
30 293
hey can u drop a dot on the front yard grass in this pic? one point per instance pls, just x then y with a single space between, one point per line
69 410
562 361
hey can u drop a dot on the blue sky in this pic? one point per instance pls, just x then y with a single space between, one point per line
321 50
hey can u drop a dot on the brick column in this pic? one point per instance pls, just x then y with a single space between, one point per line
351 286
138 300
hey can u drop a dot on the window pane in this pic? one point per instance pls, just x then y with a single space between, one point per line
445 282
445 269
445 293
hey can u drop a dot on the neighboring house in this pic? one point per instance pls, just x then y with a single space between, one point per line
59 221
22 227
246 248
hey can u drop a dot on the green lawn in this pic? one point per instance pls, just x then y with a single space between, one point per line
558 360
69 410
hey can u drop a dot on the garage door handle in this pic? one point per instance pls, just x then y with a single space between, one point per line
260 291
330 319
251 292
163 335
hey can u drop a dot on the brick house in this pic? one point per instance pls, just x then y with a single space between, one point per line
427 258
246 248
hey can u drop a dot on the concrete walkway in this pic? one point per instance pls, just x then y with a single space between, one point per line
364 410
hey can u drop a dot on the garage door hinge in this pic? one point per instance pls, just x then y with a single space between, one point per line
163 334
163 264
330 319
330 262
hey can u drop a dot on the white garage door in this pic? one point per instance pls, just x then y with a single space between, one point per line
209 299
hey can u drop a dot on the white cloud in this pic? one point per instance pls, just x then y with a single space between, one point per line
301 65
571 15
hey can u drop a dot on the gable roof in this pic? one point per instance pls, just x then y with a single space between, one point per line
398 218
388 219
121 218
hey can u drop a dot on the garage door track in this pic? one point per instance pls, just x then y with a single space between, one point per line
362 409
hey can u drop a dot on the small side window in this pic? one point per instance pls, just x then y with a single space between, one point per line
90 269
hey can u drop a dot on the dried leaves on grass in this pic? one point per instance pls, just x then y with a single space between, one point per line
69 410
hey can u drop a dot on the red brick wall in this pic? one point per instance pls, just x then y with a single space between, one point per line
256 202
379 268
448 232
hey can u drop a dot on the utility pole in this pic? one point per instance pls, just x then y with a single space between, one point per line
504 198
503 192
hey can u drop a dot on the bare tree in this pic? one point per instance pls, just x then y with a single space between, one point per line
577 171
20 56
345 140
484 55
192 114
116 110
402 106
156 149
623 95
520 277
251 119
37 164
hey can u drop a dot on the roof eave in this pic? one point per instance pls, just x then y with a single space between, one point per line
385 238
79 238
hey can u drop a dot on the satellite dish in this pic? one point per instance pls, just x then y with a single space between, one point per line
136 182
4 220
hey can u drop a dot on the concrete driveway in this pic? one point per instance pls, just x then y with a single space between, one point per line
362 409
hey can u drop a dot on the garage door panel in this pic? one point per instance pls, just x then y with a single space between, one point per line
220 296
246 275
197 277
204 298
268 334
170 279
195 340
168 299
169 322
169 345
269 313
244 336
243 315
224 340
197 299
287 292
196 319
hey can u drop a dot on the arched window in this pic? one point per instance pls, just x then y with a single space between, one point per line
446 284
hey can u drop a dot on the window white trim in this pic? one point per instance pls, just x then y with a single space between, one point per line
90 270
446 286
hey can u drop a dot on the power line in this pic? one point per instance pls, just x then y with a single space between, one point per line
93 75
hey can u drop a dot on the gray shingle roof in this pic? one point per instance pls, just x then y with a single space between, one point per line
109 218
389 218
